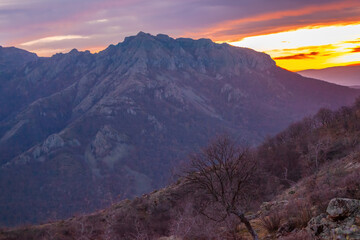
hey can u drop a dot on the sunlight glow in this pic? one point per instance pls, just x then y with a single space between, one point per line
350 58
315 47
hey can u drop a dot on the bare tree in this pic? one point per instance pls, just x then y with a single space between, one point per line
317 150
85 230
226 174
324 117
140 232
188 223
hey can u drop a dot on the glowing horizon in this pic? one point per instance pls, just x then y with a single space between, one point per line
309 47
312 47
297 34
295 50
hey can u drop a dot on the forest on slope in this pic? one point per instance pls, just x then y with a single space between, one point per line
298 172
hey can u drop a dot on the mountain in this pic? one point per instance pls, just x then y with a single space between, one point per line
12 58
322 204
343 75
80 130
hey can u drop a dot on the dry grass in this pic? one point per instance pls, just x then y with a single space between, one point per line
271 223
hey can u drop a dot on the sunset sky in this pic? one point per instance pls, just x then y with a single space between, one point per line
298 34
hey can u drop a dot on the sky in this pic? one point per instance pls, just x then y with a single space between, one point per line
297 34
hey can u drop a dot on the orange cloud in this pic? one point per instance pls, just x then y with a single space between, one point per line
305 57
306 48
220 32
298 56
356 50
354 41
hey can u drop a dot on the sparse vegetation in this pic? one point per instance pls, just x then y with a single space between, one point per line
272 222
298 213
304 167
226 174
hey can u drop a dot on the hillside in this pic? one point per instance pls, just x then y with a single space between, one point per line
296 202
80 130
343 75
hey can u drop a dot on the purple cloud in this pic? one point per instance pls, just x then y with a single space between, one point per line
98 23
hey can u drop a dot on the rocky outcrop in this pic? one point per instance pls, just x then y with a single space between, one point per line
267 207
104 141
341 220
341 208
126 115
52 142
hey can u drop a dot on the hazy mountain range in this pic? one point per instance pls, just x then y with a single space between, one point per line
78 130
343 75
317 199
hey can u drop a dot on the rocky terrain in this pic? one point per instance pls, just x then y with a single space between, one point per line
79 131
323 203
341 220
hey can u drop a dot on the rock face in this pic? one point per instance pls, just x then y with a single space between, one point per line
79 130
340 208
342 220
267 207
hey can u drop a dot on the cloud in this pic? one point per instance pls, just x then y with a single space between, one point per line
99 21
298 56
356 50
353 41
53 39
300 38
280 20
109 21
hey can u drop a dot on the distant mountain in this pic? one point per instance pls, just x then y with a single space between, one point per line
79 130
343 75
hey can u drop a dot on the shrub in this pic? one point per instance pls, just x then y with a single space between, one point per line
298 214
320 197
271 223
352 185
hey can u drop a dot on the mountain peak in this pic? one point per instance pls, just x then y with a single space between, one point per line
74 51
143 34
13 58
147 51
126 115
164 38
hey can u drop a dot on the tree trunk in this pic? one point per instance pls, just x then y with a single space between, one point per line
244 220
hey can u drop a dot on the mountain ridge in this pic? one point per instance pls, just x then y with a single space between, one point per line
115 122
321 153
341 75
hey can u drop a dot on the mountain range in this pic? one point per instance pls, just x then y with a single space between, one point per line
80 130
342 75
307 187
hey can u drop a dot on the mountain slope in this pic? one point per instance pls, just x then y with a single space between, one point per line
174 210
13 58
79 129
343 75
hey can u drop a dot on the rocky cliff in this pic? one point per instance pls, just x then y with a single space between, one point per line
79 130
